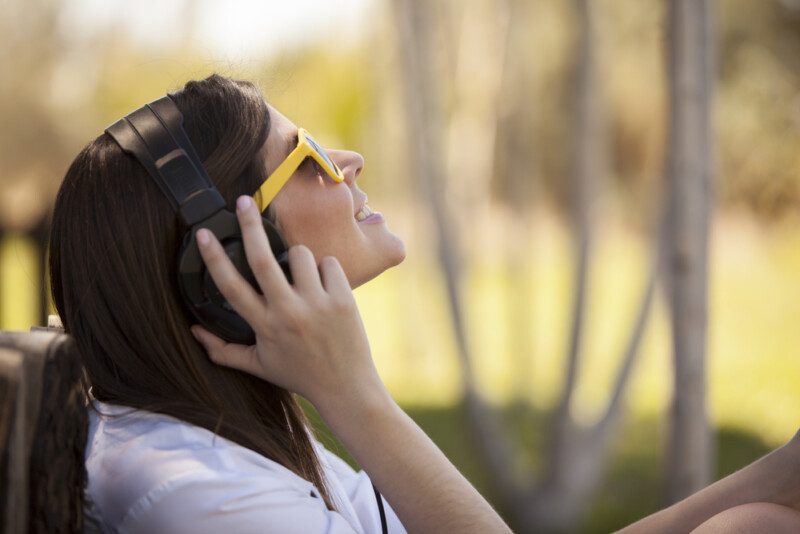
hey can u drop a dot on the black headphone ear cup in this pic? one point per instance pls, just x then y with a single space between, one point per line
201 295
234 249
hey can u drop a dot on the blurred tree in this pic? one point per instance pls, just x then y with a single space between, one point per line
689 169
577 456
513 184
557 499
425 127
32 148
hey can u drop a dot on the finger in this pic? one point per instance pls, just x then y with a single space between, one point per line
333 278
241 357
259 254
236 290
305 275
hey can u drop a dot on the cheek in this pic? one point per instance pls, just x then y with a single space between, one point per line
320 220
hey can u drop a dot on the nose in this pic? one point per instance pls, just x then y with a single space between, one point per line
349 162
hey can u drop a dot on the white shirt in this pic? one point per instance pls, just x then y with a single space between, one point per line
152 473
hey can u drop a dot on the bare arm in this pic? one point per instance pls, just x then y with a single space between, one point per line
426 491
775 478
310 340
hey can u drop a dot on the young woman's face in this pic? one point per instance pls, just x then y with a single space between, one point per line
313 210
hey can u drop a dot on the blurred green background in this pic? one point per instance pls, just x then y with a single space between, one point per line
72 67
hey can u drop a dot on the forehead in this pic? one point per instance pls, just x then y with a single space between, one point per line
281 133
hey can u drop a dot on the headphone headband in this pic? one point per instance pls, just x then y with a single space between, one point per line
154 135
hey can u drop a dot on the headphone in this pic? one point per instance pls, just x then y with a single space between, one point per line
154 135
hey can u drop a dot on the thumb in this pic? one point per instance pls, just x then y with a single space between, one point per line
214 345
205 338
242 357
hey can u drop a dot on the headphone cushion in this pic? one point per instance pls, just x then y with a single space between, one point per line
201 295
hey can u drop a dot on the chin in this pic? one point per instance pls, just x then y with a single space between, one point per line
396 253
393 256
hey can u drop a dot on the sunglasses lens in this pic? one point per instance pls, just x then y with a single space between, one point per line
321 151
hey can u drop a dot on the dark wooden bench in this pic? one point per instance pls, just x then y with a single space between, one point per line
43 426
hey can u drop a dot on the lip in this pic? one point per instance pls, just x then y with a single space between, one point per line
375 218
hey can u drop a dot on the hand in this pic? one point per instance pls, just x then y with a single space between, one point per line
309 335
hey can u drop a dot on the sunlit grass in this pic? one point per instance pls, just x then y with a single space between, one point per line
19 275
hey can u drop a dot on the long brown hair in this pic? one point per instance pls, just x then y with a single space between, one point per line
113 251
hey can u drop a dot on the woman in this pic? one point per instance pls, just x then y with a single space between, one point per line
193 434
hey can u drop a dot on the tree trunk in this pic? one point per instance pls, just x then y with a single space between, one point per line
689 171
585 167
425 128
556 501
514 162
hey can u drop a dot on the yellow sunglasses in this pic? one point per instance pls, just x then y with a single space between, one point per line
306 148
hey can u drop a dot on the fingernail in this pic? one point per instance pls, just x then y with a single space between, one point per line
203 236
243 202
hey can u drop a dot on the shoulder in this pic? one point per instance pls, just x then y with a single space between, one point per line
153 473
